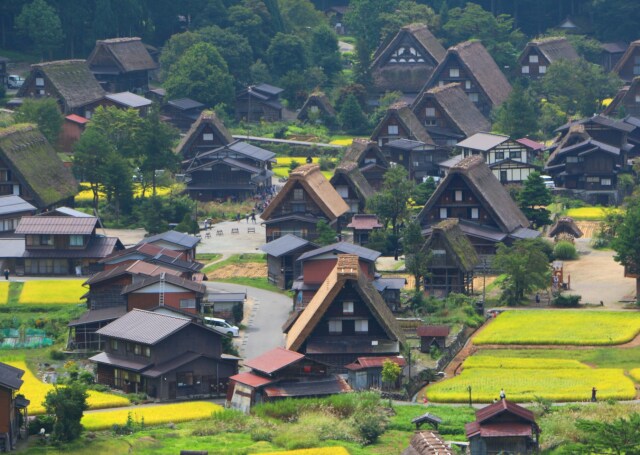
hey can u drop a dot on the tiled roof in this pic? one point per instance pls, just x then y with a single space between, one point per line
375 362
178 238
172 364
285 244
116 361
174 280
433 331
56 225
143 327
488 412
273 360
10 377
250 379
14 204
136 268
343 248
77 119
364 222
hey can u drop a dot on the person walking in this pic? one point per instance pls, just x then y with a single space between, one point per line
503 396
6 274
253 217
593 394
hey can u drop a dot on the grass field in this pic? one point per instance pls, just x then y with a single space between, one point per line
35 390
4 292
524 385
513 363
561 327
244 258
588 213
152 415
52 292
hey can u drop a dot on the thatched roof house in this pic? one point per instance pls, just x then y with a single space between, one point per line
400 123
626 66
206 133
34 166
539 54
358 188
565 225
626 100
317 104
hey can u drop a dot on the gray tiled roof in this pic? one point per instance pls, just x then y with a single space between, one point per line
284 245
143 327
185 240
10 376
344 248
14 204
115 361
128 99
251 151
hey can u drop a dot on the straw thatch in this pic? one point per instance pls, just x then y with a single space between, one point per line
320 100
128 54
407 119
206 118
552 48
455 242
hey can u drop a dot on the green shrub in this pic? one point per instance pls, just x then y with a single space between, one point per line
326 163
56 354
565 250
293 164
260 433
370 425
566 301
294 440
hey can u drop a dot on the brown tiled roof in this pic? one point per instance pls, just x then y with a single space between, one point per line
144 327
56 225
184 283
364 222
375 362
427 442
318 99
250 379
137 268
488 412
130 54
433 331
316 186
205 118
409 121
456 244
553 48
274 360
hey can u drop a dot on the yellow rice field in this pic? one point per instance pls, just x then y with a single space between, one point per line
153 415
4 292
484 361
35 390
524 385
52 292
87 195
346 142
635 374
322 451
587 213
561 327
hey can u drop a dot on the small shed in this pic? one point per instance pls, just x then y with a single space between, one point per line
427 443
221 304
565 229
366 372
431 335
427 417
363 225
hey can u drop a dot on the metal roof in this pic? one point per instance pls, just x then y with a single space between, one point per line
137 268
115 361
77 119
172 364
483 141
54 225
14 204
250 379
251 151
344 248
273 360
405 144
226 296
316 387
433 330
128 99
97 248
364 222
389 283
266 88
10 377
101 314
184 240
186 104
283 245
144 327
174 280
67 211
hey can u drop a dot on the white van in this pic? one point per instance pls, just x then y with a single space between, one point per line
222 326
548 181
14 81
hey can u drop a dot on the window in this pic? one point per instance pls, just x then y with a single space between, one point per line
525 69
457 195
499 156
347 307
343 191
515 155
454 72
184 379
467 85
207 137
362 325
473 97
299 207
314 109
475 213
430 112
76 240
542 69
87 114
392 129
5 174
533 59
369 161
188 303
114 345
637 98
443 213
137 349
147 352
298 194
40 92
46 240
593 179
572 159
39 82
439 252
335 326
605 182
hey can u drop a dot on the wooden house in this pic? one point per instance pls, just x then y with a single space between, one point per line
317 109
586 167
370 160
279 374
282 259
206 133
182 112
4 74
177 241
611 54
122 64
362 226
628 66
432 335
503 427
453 259
62 245
13 407
155 254
509 160
615 132
234 171
259 102
345 320
626 101
305 199
539 54
82 337
165 290
68 81
633 137
12 209
166 357
366 372
128 100
474 69
400 122
389 288
352 186
448 114
419 159
565 228
406 62
72 128
487 213
428 442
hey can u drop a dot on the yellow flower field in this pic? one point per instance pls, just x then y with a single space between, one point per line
524 385
52 291
321 451
587 213
635 374
153 415
558 327
87 195
508 363
4 292
35 390
343 142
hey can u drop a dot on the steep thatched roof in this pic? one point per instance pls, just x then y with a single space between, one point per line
631 51
320 100
405 116
359 149
206 118
354 177
487 188
553 48
72 79
625 97
456 106
36 165
316 186
565 224
129 54
456 244
346 270
427 442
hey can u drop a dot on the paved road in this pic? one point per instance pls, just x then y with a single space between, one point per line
264 329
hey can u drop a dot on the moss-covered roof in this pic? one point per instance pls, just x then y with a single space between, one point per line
456 243
36 165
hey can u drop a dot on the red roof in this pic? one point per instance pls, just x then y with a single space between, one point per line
364 222
77 119
374 362
533 145
274 360
498 430
484 414
250 379
433 330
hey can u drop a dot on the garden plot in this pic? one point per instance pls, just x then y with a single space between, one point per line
561 327
39 292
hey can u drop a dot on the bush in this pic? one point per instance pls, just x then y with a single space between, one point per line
293 164
566 301
260 433
43 421
56 354
238 313
565 250
326 163
370 425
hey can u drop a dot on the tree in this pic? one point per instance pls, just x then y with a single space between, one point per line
234 49
40 23
201 74
533 198
625 241
517 116
526 267
67 404
286 53
324 51
351 116
390 372
153 218
300 15
416 258
407 12
622 436
326 234
45 113
188 225
246 22
174 48
89 157
423 191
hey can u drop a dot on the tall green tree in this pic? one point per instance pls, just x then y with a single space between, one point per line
67 405
620 437
351 116
533 199
407 12
40 23
45 113
234 49
89 157
326 234
300 15
156 143
324 51
625 241
517 116
416 258
526 267
287 53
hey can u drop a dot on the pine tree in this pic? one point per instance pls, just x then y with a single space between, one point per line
533 198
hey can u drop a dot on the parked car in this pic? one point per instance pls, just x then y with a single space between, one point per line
222 326
14 81
548 181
